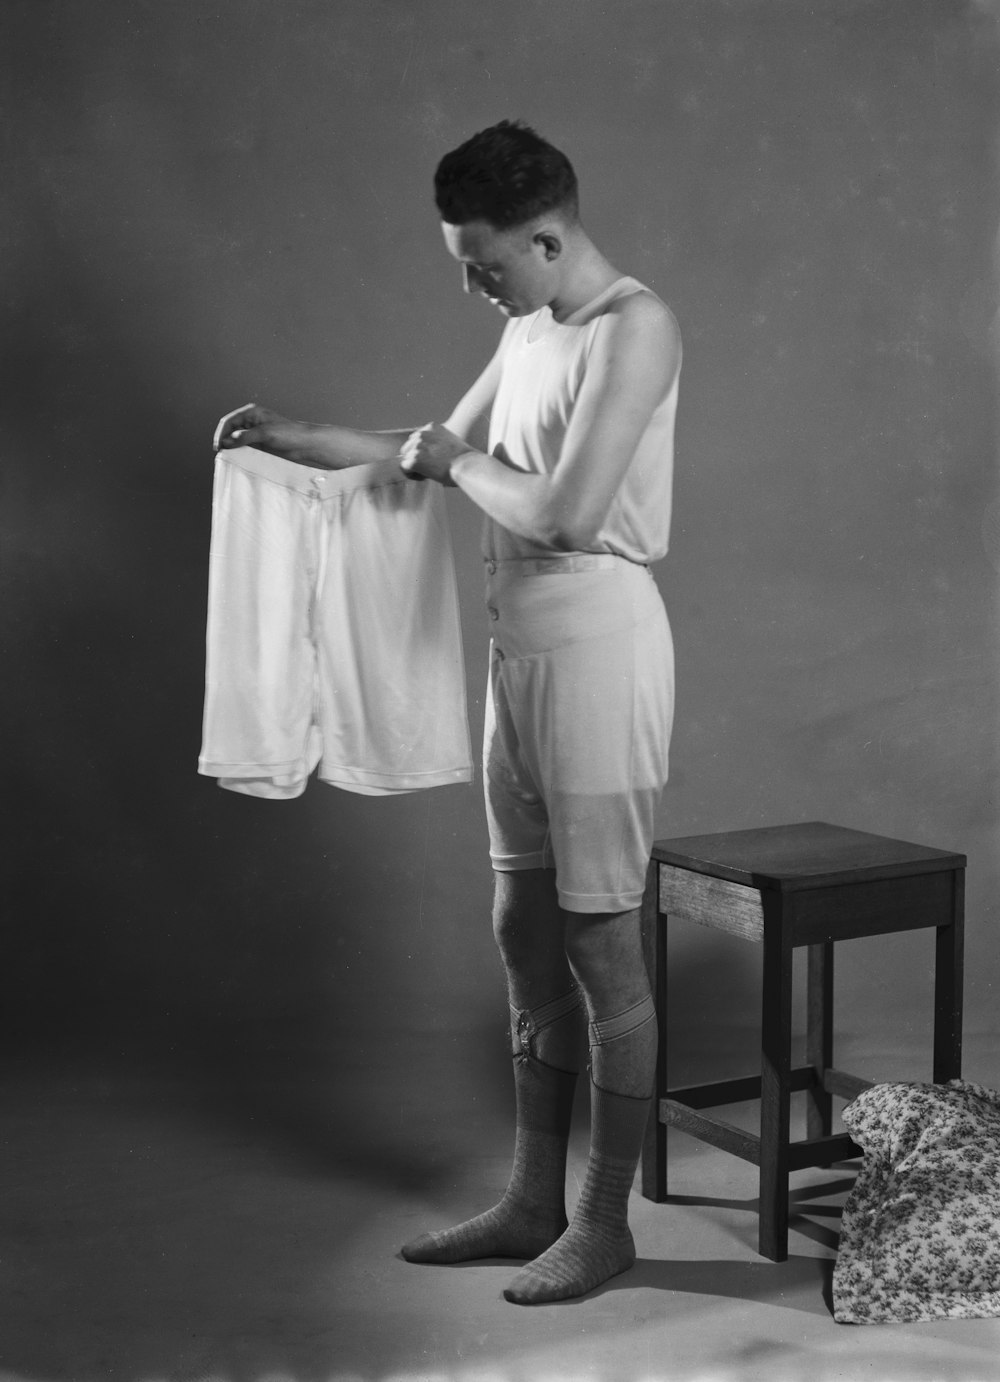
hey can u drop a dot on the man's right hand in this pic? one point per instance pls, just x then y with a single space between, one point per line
252 426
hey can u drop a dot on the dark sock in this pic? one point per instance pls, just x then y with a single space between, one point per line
598 1243
532 1213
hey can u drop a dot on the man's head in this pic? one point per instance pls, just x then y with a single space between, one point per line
509 208
506 175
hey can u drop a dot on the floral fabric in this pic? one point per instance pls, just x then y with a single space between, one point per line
920 1233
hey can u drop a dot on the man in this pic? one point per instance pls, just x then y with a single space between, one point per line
566 445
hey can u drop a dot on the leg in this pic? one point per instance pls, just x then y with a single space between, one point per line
948 989
819 1036
607 956
776 1040
545 1029
594 710
654 938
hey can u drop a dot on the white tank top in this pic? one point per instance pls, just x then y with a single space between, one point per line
543 363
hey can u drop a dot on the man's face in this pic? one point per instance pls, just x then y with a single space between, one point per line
509 267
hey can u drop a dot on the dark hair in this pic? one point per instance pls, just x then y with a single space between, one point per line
505 175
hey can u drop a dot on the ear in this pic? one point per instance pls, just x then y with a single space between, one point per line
549 242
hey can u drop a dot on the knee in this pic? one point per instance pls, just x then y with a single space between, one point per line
605 952
592 951
525 919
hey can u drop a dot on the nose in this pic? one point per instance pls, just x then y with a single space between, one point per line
471 280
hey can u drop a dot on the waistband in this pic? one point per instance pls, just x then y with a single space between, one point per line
309 480
555 566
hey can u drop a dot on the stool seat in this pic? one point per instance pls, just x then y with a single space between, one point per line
805 885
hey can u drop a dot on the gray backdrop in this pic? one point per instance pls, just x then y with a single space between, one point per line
212 203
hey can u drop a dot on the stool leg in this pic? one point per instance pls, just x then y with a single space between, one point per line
819 1036
654 940
776 1063
948 971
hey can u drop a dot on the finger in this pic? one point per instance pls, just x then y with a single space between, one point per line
221 429
243 436
407 465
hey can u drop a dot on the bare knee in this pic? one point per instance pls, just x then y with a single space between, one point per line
529 929
605 951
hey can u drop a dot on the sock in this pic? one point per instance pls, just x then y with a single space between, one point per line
532 1213
598 1243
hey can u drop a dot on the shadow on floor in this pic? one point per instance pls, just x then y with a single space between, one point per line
763 1282
402 1114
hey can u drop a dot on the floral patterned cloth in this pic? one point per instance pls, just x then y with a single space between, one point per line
920 1233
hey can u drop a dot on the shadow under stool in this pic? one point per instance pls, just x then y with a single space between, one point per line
785 887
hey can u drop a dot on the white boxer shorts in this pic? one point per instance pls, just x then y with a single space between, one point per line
578 723
333 635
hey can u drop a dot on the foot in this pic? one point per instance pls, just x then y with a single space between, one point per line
504 1231
580 1261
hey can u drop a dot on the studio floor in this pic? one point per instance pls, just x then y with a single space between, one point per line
238 1221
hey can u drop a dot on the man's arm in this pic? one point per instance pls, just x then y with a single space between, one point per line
328 447
317 444
633 362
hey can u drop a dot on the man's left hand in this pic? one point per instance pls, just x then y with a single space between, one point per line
428 453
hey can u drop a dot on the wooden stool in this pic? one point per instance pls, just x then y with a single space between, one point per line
788 886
